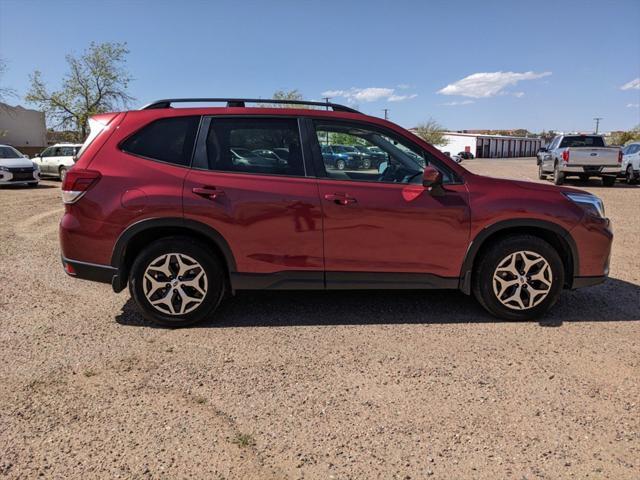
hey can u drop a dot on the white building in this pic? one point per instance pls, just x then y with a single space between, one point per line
22 128
490 146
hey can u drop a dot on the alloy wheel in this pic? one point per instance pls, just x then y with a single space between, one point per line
175 284
522 280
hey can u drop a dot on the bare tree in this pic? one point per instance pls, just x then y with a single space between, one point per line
432 132
96 83
5 92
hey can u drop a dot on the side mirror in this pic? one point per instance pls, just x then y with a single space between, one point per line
432 181
25 156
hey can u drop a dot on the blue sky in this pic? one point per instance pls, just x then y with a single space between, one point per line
468 64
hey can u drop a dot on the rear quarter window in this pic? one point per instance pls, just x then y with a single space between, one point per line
167 140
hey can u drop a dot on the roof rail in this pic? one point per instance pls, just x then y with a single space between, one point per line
240 102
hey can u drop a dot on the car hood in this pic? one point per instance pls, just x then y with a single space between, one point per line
19 162
540 187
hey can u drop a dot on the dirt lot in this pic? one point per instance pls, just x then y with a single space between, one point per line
323 385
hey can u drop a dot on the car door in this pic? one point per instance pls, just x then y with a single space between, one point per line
50 162
40 159
269 214
384 229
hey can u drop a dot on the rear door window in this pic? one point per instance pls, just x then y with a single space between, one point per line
582 141
268 146
167 140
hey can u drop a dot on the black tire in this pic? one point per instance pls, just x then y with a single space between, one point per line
609 181
33 184
629 178
366 164
341 164
584 178
541 174
486 265
215 275
558 176
62 173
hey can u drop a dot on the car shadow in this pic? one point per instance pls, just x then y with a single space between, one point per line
615 300
27 187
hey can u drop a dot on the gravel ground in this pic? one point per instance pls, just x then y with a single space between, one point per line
314 385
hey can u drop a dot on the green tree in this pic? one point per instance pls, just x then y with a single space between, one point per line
432 132
624 137
97 82
288 95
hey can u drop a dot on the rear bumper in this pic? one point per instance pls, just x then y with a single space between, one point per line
591 169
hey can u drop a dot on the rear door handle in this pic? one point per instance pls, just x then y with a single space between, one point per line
208 192
340 198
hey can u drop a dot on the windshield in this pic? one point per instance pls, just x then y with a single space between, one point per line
9 152
582 141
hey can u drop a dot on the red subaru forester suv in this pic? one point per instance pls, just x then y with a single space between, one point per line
187 205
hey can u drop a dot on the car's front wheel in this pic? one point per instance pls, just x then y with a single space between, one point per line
518 278
176 282
341 165
366 164
541 174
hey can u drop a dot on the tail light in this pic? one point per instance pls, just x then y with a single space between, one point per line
620 157
77 182
565 156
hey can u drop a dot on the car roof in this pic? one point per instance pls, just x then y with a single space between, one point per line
67 145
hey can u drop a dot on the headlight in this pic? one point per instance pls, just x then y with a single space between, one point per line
36 167
590 203
4 169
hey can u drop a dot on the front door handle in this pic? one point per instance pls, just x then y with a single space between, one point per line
208 192
340 198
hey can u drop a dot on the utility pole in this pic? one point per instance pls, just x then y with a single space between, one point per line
597 119
326 100
386 113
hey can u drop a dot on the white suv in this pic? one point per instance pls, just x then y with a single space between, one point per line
630 168
57 160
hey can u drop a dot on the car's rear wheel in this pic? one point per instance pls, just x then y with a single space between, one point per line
62 172
366 164
558 176
33 184
177 282
629 177
584 178
341 165
518 278
608 181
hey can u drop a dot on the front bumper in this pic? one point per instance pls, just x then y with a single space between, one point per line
89 271
19 175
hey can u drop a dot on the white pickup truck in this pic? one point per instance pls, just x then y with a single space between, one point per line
581 156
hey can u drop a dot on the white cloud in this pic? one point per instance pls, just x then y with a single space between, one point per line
403 86
631 85
489 84
399 98
633 105
369 94
455 104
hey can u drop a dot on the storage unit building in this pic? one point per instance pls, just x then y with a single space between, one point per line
491 146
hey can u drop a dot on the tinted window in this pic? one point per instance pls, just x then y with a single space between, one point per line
67 151
9 152
248 145
167 140
582 141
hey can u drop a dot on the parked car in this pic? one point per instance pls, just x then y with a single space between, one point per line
16 168
466 155
56 161
630 167
582 156
335 157
363 159
156 202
